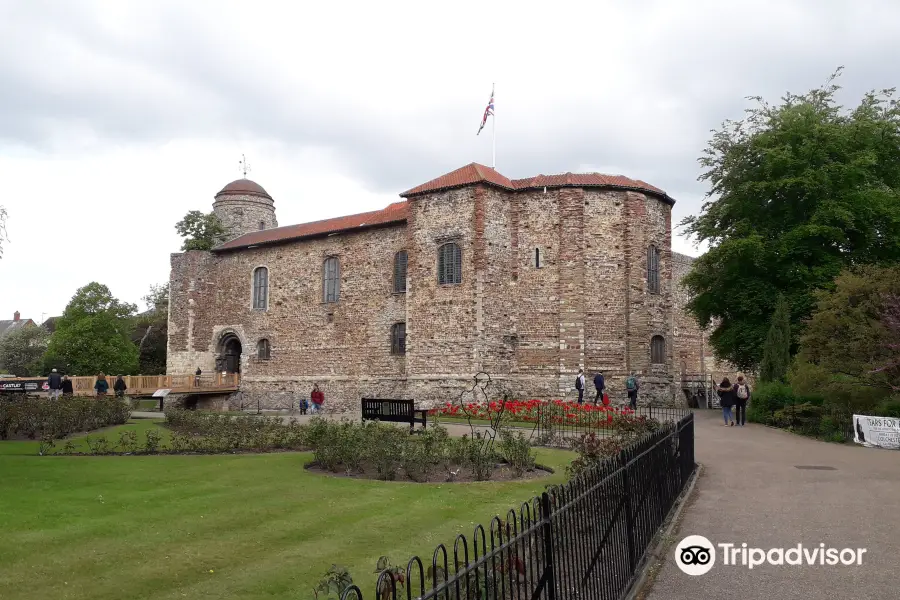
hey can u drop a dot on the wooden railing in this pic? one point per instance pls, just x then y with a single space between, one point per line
147 384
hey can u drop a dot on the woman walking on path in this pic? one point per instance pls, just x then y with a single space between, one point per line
726 394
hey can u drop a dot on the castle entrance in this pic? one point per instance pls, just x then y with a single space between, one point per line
230 354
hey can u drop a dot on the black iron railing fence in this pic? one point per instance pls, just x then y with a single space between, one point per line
585 539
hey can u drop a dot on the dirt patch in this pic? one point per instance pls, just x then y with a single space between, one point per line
454 474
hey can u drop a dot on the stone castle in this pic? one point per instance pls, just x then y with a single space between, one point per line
527 280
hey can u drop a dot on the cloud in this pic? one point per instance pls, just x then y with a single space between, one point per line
378 97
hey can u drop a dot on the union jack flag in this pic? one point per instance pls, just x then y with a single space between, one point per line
489 111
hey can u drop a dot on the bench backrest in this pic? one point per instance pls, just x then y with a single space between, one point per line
387 407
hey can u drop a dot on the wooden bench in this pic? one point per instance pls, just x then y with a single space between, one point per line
394 411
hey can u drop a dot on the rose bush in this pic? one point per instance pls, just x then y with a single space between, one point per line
555 412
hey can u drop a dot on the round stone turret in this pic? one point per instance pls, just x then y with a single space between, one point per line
243 206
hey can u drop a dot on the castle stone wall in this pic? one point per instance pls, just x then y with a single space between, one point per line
530 322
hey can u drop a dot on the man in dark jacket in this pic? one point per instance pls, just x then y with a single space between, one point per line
54 382
600 384
579 385
119 386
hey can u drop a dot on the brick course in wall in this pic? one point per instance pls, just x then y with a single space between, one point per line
530 324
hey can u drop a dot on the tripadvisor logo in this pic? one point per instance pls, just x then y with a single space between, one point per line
696 555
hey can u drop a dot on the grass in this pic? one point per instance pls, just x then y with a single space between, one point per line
146 404
227 526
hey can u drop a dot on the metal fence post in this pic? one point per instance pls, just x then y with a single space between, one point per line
629 513
548 546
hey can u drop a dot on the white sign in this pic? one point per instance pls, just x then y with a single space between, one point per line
881 432
161 393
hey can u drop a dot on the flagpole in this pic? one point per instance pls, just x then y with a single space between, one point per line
494 132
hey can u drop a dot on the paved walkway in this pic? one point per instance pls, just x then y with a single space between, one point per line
750 491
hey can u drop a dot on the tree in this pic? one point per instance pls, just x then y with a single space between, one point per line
200 231
154 323
3 217
848 352
777 351
798 192
22 349
94 335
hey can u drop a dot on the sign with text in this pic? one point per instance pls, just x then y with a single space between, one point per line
18 386
880 432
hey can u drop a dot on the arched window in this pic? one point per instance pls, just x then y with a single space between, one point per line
653 269
449 264
331 279
398 338
657 350
263 350
261 288
537 258
400 261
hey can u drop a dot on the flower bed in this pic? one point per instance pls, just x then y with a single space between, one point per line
558 412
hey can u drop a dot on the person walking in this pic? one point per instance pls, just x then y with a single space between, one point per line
120 387
600 385
741 397
54 383
579 385
727 398
317 399
67 389
197 377
632 385
102 385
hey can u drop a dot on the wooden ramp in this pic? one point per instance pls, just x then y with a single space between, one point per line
145 385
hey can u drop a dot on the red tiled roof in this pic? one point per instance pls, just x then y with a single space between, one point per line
397 212
589 180
244 187
467 175
475 173
393 213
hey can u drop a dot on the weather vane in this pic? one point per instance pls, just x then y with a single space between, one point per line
244 166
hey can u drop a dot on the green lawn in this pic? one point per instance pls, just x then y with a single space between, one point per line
229 526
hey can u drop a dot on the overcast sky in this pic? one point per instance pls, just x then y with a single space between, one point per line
118 117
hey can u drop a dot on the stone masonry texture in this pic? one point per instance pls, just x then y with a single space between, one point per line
553 280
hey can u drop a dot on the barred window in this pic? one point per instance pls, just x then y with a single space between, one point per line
263 350
449 264
400 262
331 279
657 350
398 338
653 270
261 288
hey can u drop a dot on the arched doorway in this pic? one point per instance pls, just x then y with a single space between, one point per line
231 353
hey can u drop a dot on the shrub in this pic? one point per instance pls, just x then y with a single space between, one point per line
592 451
128 442
152 441
888 408
214 432
516 450
481 457
40 417
386 445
